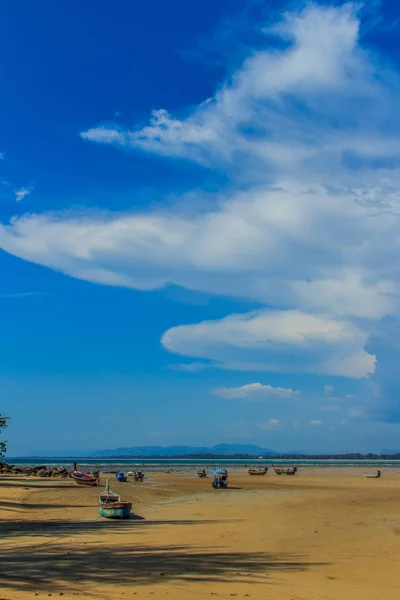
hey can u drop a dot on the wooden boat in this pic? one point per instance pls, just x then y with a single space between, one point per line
89 479
202 473
263 471
220 478
111 505
285 470
372 475
138 476
121 477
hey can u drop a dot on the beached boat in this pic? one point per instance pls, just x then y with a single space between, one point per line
120 476
373 475
111 505
285 470
90 479
202 473
220 478
263 471
138 476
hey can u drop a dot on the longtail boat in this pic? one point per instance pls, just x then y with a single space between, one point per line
285 470
111 505
263 471
138 475
90 479
220 478
373 475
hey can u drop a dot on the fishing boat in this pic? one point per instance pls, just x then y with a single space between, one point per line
202 473
81 478
138 475
285 470
263 471
111 505
373 475
120 476
220 478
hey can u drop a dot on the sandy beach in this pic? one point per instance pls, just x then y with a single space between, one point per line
319 535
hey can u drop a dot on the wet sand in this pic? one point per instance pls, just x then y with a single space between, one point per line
319 535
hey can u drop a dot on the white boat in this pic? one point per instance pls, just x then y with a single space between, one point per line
373 475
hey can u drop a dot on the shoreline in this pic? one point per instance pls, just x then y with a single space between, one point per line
193 467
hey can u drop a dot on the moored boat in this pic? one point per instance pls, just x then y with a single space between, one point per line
111 505
373 475
120 476
220 478
202 473
285 470
263 471
81 478
138 475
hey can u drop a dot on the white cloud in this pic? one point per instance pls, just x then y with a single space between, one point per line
271 424
190 367
356 413
328 389
21 193
256 391
262 340
316 423
296 129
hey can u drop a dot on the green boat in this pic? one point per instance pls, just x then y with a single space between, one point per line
112 507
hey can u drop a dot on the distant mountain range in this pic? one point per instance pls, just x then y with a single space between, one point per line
168 451
220 449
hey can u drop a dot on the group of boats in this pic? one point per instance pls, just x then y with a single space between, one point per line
92 479
251 471
110 504
112 507
220 475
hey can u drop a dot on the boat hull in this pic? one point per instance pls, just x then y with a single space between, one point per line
115 513
84 479
285 471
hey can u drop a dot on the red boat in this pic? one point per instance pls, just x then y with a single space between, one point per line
263 471
81 478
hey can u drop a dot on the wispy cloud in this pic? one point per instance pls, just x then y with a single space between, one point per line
316 423
21 193
256 391
190 367
271 425
23 294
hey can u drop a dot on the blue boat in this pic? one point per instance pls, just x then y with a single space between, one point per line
116 510
120 476
219 478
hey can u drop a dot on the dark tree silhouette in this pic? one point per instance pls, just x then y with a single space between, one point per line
3 444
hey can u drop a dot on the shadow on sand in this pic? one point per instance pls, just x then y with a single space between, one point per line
19 529
30 569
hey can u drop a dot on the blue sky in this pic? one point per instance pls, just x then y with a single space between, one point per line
199 224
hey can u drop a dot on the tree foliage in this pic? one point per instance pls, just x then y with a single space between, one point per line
3 444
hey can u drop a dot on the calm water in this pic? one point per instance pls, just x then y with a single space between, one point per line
186 462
